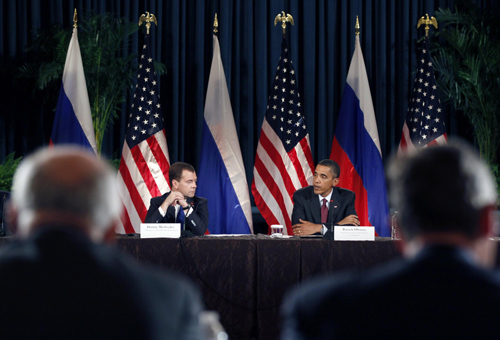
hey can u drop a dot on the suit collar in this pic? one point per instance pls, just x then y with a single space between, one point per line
328 197
190 200
335 203
315 207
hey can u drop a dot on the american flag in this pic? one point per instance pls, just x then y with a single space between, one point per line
424 125
145 162
283 162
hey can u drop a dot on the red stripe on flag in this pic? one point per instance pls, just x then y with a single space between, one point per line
159 156
132 190
145 172
278 161
350 179
127 225
273 189
298 168
403 145
264 208
307 152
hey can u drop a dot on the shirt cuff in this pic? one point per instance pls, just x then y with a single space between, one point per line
189 211
163 213
324 229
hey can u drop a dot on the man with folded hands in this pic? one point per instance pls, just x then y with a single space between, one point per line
167 208
318 207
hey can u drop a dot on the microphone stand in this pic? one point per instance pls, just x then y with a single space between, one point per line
329 233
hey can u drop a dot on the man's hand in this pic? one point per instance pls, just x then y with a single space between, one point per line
351 219
174 198
306 228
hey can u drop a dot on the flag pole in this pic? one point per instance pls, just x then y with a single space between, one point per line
357 25
427 22
284 19
148 19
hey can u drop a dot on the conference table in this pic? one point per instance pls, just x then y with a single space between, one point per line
245 278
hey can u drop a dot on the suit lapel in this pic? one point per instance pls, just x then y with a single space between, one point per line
315 208
335 203
192 202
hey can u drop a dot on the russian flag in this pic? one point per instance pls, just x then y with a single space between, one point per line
356 148
221 178
73 119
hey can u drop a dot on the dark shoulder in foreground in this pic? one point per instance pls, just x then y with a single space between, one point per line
430 297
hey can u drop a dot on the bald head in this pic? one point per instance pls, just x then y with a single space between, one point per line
65 186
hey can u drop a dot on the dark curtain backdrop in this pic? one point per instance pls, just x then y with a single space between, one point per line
321 43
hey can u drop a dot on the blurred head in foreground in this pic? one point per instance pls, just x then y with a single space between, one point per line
445 195
65 186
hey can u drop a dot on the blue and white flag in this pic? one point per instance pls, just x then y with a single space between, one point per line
73 119
356 148
221 178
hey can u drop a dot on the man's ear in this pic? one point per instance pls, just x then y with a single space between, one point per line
485 249
336 181
175 184
109 235
488 224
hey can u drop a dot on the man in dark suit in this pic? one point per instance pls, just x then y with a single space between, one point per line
59 281
446 199
323 204
166 208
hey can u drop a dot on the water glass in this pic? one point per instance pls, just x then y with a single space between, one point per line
276 230
395 233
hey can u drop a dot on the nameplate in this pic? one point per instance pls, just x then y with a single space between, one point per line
352 233
160 230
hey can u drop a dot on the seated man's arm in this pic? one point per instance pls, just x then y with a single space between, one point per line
167 215
197 220
300 224
298 212
154 215
351 217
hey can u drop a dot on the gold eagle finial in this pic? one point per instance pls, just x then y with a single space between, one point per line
216 24
284 19
427 22
356 27
148 19
75 19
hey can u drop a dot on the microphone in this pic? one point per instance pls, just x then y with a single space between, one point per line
329 233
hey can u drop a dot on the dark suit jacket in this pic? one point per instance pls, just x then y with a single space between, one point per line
306 206
440 294
197 221
59 285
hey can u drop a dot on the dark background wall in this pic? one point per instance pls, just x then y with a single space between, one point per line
321 43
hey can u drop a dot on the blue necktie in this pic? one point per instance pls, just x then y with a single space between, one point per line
181 217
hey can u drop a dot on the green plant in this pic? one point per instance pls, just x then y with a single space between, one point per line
109 70
467 61
495 169
7 170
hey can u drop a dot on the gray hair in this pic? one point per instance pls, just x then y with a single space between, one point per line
84 187
441 189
